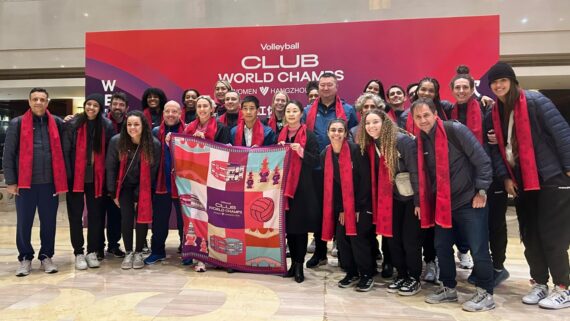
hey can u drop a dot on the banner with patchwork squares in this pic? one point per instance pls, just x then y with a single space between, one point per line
232 203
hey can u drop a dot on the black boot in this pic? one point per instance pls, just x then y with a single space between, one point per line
387 270
291 272
299 276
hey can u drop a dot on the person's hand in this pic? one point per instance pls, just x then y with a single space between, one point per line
254 145
167 139
68 118
511 187
295 146
12 189
199 134
492 137
116 200
341 218
282 143
417 212
568 174
357 216
479 201
487 101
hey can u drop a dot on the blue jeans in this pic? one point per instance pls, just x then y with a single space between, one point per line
472 224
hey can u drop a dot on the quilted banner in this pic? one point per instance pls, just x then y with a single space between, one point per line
232 203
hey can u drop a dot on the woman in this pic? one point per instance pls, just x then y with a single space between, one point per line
375 87
189 102
392 153
132 165
363 104
346 201
220 90
312 90
278 103
153 100
84 148
207 127
533 158
302 207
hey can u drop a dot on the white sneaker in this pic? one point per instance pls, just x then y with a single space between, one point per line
128 261
200 266
559 298
481 301
80 262
25 268
92 260
311 247
333 262
334 251
138 261
536 293
432 272
465 260
48 265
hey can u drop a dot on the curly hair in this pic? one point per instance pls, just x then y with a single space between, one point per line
146 142
378 101
386 142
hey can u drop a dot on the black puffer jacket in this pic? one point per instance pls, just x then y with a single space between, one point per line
42 172
550 137
469 166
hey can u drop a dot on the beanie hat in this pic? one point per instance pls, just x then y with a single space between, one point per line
501 70
98 98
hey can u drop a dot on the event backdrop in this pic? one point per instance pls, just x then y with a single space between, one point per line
261 60
232 203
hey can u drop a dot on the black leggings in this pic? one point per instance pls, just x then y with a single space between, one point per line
128 215
297 246
75 204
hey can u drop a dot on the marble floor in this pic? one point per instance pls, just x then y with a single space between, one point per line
170 291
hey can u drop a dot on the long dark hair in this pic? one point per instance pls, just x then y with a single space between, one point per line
126 144
154 91
98 122
380 87
436 99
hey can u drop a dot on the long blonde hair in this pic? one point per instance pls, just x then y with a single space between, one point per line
386 142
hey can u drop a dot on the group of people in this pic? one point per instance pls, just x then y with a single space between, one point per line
424 177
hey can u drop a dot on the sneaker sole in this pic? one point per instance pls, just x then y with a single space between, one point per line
365 289
22 274
530 303
81 268
479 310
138 267
392 290
409 293
567 305
154 262
343 286
441 301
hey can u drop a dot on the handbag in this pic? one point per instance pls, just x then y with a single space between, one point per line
402 181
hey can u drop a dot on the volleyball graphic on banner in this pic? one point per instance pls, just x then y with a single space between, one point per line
262 209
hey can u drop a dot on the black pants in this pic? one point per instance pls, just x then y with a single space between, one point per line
297 246
128 216
320 245
112 218
354 251
544 223
405 245
161 209
497 203
75 204
428 241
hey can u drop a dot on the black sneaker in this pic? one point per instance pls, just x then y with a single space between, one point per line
116 251
347 281
410 287
315 261
395 285
365 284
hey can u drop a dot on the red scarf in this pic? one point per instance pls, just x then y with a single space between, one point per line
144 211
224 120
211 128
81 160
345 168
312 116
258 134
295 161
273 122
392 115
474 117
524 138
410 126
442 204
382 198
161 179
148 115
115 124
26 156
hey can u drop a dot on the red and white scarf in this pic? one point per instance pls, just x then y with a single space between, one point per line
81 160
295 161
382 194
474 117
258 134
161 177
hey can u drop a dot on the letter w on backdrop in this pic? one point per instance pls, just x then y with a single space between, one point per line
232 203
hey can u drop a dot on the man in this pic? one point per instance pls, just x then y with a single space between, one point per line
454 174
32 157
166 194
250 131
232 114
326 107
396 97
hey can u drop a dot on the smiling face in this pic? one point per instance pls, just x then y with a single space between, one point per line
426 90
153 100
231 102
279 103
396 96
91 108
118 108
313 95
501 87
203 110
373 125
134 127
462 90
293 115
337 133
190 99
373 88
424 118
368 105
327 88
171 113
220 91
38 102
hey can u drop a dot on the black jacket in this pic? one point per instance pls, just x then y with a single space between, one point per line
550 137
70 141
132 178
42 172
469 165
360 178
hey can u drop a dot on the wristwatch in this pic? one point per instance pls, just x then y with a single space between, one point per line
482 192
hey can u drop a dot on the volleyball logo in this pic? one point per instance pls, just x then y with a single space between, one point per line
262 209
